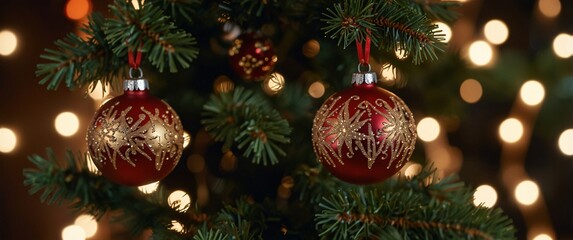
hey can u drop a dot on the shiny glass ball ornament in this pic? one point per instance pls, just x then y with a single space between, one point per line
135 139
252 56
363 134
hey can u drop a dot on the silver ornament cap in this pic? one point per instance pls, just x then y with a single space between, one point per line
364 78
135 85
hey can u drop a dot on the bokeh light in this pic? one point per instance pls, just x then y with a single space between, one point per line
526 192
532 92
471 91
445 30
480 53
485 195
99 91
412 170
549 8
511 130
316 89
177 226
8 140
229 161
223 84
179 200
73 232
149 188
428 129
311 48
274 83
496 31
287 182
566 142
88 223
400 53
67 124
563 45
390 74
135 4
542 236
78 9
8 42
283 192
186 139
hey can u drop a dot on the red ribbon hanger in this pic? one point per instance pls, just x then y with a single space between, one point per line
134 62
364 54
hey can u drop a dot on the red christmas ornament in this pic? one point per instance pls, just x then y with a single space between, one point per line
252 57
136 138
363 134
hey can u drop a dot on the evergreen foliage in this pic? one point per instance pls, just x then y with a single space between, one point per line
410 209
103 55
243 119
392 25
259 127
78 62
148 29
420 207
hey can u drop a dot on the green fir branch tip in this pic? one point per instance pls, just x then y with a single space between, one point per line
313 183
245 120
242 220
210 234
149 30
79 62
393 25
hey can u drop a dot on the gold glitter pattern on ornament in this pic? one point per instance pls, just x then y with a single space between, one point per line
335 127
248 63
252 62
236 47
345 129
116 136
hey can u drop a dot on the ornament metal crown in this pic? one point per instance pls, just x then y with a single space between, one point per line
364 78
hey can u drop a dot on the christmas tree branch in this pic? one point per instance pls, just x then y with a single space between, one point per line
149 30
73 182
392 25
88 192
244 119
103 56
210 234
79 62
243 220
313 183
420 207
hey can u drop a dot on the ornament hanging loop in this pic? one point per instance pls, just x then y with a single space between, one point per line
362 66
363 52
139 73
134 63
